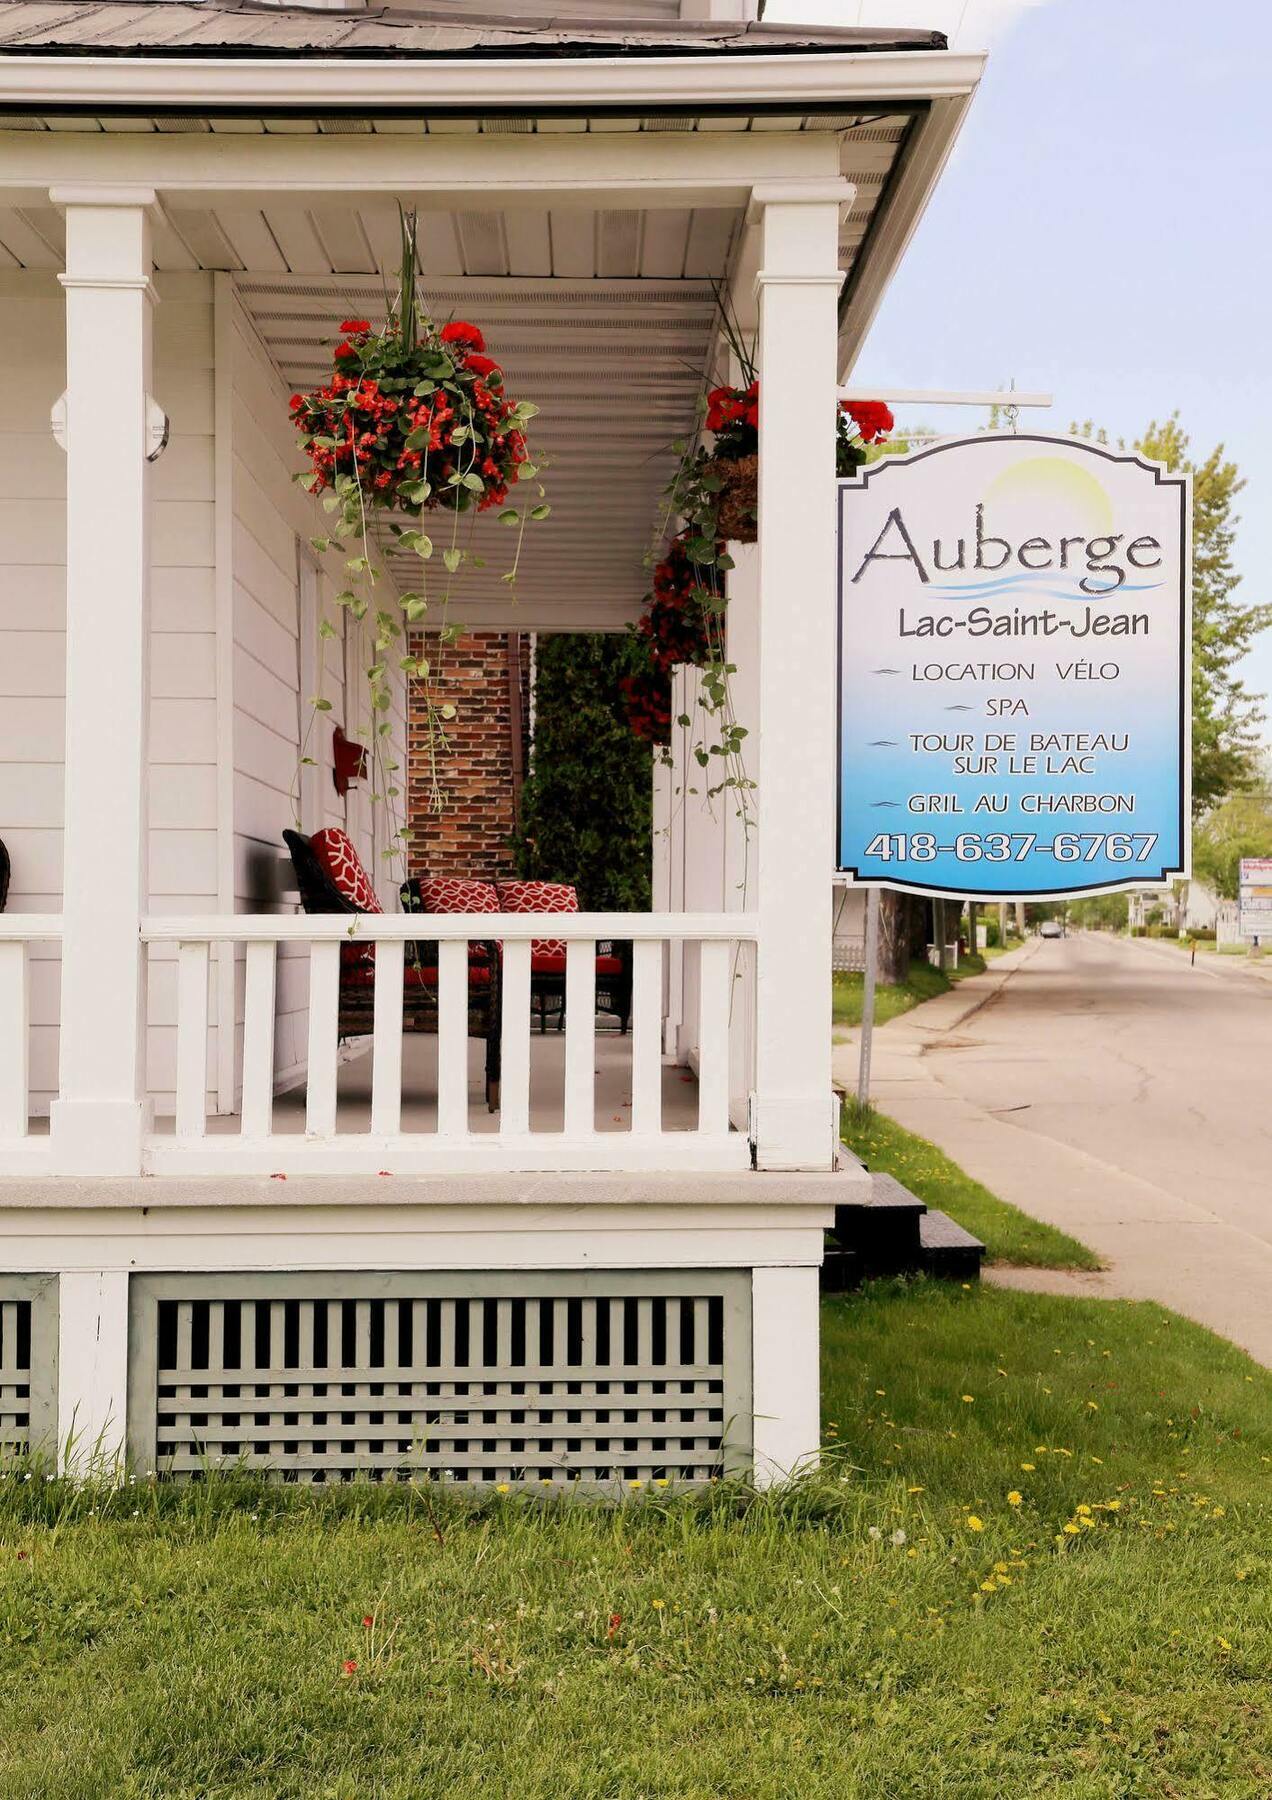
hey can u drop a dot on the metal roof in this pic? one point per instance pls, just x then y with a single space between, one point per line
192 28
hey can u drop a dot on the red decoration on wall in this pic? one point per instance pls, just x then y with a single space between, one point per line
348 761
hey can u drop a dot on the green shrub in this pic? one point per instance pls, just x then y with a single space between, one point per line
586 804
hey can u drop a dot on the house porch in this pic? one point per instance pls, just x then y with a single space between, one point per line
215 1176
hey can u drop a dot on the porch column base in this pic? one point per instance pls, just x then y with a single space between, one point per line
92 1371
793 1133
98 1137
786 1378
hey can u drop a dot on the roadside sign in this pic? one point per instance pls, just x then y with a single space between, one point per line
1014 670
1254 897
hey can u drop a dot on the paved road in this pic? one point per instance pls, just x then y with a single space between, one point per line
1121 1093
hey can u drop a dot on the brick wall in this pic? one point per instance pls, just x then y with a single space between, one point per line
470 835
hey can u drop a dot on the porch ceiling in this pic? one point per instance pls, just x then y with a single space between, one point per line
616 367
278 237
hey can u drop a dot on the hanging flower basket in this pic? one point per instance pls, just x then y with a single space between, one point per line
738 495
719 488
414 418
419 421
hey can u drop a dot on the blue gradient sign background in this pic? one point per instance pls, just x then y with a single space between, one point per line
1014 670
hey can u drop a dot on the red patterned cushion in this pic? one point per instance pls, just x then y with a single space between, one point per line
362 975
553 963
540 897
334 850
455 894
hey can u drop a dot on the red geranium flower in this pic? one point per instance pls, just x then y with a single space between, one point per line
483 365
873 418
357 327
467 336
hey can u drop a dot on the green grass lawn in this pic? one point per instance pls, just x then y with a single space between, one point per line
1037 1561
1009 1235
894 998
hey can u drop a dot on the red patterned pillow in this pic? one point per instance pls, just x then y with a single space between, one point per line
334 850
456 894
540 897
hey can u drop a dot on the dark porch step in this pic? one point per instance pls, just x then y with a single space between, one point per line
948 1250
893 1233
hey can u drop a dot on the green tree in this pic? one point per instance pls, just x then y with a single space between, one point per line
1241 826
1226 716
586 804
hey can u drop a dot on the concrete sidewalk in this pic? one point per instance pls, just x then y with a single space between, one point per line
1158 1245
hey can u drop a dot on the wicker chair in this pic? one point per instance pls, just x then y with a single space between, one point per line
320 895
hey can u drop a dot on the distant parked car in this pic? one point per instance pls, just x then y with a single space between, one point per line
1051 928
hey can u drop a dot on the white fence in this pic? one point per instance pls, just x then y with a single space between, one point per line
19 1151
251 1144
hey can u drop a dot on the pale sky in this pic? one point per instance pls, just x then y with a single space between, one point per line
1103 231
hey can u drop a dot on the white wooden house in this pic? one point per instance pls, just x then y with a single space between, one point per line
202 1192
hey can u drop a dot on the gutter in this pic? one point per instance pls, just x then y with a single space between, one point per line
797 82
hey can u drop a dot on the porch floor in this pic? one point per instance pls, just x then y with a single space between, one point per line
613 1064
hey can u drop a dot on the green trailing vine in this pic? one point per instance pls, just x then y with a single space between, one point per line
414 421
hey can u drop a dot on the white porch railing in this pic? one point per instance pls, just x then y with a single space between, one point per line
19 1150
514 1143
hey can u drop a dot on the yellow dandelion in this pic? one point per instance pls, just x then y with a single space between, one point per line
881 1390
975 1524
503 1487
969 1399
1001 1568
1029 1467
987 1587
635 1484
916 1490
1014 1498
1082 1509
658 1605
1071 1529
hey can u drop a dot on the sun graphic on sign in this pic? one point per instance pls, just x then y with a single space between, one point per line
1052 485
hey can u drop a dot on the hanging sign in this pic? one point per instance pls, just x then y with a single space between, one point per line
1014 616
1254 896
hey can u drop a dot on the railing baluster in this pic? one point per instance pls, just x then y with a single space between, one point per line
192 1039
452 1037
386 1050
647 973
714 977
580 1038
324 1011
15 1012
515 1074
256 1117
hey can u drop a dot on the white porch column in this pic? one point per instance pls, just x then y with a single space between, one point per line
92 1370
96 1123
799 284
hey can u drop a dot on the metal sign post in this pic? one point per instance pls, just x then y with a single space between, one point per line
868 995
